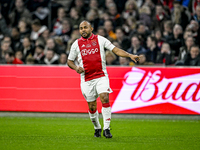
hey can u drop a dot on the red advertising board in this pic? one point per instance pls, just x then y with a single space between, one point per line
147 90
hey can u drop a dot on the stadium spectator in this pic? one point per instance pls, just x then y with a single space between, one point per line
110 58
151 4
103 17
193 57
189 41
65 31
75 16
168 29
5 6
176 40
19 55
114 15
57 23
51 44
51 58
152 51
129 25
8 39
46 35
10 58
123 61
24 28
178 15
136 48
168 3
19 11
39 54
37 29
33 5
3 26
95 4
15 36
63 59
165 56
159 37
80 6
145 16
102 31
120 5
93 16
142 32
143 61
196 16
123 41
27 48
108 25
41 14
75 35
40 41
107 3
5 46
160 17
30 60
131 10
187 33
194 27
135 17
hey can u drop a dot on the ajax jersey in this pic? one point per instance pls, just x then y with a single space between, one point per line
91 56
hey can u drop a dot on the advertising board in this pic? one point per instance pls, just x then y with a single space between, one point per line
144 90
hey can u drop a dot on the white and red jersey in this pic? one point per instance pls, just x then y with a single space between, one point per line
91 56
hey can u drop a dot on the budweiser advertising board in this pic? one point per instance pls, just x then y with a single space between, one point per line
147 90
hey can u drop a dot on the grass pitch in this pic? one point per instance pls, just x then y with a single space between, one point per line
28 133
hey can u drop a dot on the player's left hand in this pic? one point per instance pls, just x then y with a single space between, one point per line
135 58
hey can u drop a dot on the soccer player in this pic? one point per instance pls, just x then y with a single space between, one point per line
94 78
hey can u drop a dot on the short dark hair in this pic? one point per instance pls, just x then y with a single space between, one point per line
153 38
36 22
176 2
40 46
10 53
194 46
119 28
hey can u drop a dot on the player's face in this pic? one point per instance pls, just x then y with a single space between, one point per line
85 30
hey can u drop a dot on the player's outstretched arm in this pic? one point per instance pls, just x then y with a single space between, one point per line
78 69
123 53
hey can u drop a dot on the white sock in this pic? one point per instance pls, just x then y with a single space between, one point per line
94 117
106 112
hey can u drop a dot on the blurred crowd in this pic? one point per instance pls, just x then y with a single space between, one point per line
162 32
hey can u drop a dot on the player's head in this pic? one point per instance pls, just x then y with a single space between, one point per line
85 29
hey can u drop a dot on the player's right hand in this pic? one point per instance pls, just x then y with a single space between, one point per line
135 58
79 69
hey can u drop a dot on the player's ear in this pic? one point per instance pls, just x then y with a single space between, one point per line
91 28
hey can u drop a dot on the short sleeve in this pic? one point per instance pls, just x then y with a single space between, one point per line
73 53
107 44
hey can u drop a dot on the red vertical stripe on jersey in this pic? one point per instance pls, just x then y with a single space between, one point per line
90 53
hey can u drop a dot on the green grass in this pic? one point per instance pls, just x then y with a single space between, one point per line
27 133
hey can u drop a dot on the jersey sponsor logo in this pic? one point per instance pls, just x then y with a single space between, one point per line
145 88
85 52
83 45
88 45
